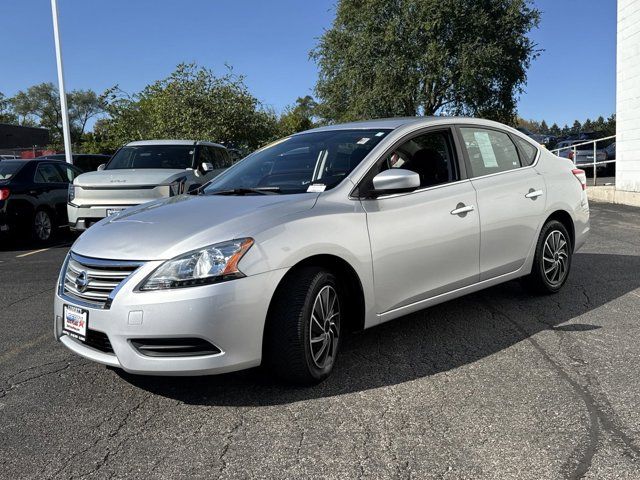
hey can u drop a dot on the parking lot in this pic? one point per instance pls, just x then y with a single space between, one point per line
499 384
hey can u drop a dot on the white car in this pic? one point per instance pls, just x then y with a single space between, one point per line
339 228
140 172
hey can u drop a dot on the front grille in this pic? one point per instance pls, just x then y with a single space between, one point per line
92 282
98 340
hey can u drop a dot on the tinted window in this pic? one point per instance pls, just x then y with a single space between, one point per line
292 164
9 168
153 156
489 151
529 152
89 163
431 156
48 173
222 159
69 173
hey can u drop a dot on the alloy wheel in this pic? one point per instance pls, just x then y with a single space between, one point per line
42 225
555 255
324 327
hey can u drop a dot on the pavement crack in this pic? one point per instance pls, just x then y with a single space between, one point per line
598 419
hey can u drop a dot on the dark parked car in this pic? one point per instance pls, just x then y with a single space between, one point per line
87 162
33 196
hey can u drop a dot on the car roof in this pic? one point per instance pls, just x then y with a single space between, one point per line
397 122
140 143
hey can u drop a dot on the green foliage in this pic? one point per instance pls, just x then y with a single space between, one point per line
605 128
40 105
191 103
386 58
6 111
299 117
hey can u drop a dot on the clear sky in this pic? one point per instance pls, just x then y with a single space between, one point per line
134 42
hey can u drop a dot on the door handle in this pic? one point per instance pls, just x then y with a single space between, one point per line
534 194
462 209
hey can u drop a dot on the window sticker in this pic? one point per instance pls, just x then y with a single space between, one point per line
486 149
379 134
363 140
317 187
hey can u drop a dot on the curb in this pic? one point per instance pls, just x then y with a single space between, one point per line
609 194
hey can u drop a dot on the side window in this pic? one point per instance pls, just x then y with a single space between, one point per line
529 151
205 156
431 155
68 173
48 173
222 158
489 151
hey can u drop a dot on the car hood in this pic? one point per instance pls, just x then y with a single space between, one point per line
128 177
166 228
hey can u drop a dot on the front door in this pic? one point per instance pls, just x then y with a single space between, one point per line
425 242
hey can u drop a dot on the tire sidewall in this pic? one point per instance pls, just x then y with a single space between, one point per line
33 227
321 280
538 262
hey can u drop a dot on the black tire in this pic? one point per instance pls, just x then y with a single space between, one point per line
42 227
288 351
539 281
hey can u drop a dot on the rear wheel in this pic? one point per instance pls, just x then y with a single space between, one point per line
552 261
302 336
42 226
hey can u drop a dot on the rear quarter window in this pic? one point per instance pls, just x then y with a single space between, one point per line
528 151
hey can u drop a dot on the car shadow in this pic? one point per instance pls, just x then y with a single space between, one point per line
429 342
22 242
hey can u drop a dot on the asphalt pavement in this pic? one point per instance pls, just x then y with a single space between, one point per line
499 384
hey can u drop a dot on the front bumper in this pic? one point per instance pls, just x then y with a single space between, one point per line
229 315
82 217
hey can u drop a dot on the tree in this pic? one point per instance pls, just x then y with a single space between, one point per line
194 103
299 117
555 130
6 112
544 128
40 105
386 58
576 128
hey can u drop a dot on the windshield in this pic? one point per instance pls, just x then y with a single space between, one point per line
153 156
9 168
293 164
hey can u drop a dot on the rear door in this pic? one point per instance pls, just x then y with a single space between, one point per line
511 197
51 189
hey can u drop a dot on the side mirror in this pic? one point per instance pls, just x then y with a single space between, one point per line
206 167
396 180
101 167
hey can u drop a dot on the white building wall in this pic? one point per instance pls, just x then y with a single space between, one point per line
628 97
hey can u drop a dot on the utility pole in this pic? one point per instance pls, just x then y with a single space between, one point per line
63 96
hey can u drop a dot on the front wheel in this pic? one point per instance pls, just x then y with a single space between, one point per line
302 335
552 260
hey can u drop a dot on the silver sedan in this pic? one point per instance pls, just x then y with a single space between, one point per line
327 231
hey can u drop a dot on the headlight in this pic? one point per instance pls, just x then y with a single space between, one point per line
208 265
72 192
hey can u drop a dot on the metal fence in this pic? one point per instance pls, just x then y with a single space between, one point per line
571 152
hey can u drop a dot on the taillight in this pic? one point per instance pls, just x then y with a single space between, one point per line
4 193
581 176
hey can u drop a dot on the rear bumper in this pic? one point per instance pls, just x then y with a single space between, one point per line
8 222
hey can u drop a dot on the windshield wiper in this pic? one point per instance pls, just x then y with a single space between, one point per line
245 191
